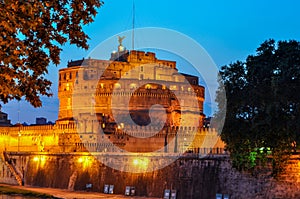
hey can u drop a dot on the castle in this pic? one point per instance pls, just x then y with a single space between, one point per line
111 106
133 102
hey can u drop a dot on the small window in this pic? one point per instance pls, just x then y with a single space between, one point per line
69 103
148 86
142 68
173 87
132 86
117 85
67 87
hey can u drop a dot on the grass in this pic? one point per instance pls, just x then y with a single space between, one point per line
16 191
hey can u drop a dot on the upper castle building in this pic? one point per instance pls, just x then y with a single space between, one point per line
132 102
136 70
118 98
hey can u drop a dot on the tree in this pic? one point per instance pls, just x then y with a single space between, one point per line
263 105
31 35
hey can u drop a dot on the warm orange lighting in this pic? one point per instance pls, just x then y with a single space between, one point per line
117 85
36 159
80 160
135 162
148 86
85 161
132 86
141 163
41 160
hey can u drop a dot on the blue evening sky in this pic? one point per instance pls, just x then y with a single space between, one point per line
228 30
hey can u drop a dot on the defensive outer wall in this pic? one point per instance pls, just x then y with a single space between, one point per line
190 175
49 156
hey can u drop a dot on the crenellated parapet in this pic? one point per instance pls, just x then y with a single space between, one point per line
68 137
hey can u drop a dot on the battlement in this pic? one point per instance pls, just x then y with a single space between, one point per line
141 56
70 138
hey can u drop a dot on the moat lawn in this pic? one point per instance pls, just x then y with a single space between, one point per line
15 191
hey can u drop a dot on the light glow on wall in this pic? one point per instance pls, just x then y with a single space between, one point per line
40 160
140 163
85 161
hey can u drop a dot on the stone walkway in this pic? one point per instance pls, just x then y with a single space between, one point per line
60 193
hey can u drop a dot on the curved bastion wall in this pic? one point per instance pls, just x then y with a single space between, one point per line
191 176
66 138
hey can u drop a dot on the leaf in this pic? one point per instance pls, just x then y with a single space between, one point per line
263 100
31 36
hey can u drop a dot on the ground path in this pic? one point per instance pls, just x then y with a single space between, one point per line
61 193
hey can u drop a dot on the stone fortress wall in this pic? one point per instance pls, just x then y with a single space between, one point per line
192 177
66 138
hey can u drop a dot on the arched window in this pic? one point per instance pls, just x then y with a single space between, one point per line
148 86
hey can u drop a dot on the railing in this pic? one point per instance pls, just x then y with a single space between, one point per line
10 165
205 152
109 147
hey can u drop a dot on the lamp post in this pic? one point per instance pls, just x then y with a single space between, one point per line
63 138
19 137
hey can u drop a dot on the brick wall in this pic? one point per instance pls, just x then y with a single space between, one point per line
190 176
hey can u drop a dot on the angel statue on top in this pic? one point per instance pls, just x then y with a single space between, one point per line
121 47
